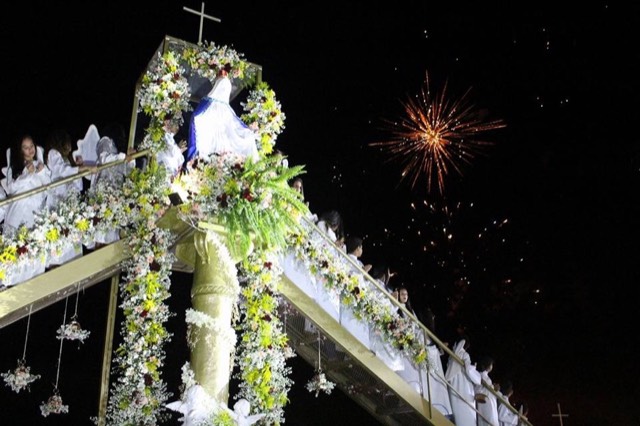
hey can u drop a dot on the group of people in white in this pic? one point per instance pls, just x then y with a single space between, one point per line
460 391
31 166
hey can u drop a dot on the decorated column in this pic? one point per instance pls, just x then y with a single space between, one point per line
214 293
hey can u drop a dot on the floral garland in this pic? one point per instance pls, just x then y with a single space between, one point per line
209 58
139 394
164 95
263 348
369 305
263 111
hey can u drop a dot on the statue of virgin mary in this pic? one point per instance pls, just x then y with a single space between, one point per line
215 128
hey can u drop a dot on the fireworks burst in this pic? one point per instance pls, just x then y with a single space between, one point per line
436 135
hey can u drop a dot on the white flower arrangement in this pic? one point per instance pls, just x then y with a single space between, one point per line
202 320
320 383
20 378
62 227
72 331
53 405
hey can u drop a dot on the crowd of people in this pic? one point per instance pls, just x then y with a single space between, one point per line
31 166
461 390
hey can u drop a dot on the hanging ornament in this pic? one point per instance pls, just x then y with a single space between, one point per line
54 404
319 382
21 377
73 330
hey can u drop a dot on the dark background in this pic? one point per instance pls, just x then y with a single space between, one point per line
532 250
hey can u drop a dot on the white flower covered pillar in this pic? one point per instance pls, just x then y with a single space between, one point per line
214 295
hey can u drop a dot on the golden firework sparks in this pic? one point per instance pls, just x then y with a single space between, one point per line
436 135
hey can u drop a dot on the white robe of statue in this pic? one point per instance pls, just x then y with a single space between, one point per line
215 127
462 379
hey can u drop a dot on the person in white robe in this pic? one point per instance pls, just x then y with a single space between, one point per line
171 157
507 417
392 357
330 224
430 381
488 407
3 209
25 171
215 128
359 328
462 378
62 165
108 151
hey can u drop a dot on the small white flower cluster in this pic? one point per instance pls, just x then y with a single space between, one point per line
20 378
319 383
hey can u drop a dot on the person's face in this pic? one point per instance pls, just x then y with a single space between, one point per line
66 148
403 296
28 149
297 185
358 251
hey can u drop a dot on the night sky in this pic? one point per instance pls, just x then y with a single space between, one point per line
532 249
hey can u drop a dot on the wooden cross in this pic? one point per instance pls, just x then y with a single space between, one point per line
559 415
202 16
